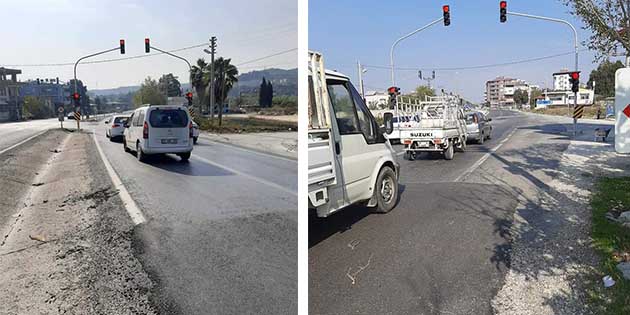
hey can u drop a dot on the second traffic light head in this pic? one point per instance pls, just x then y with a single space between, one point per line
122 46
503 11
446 10
574 79
147 45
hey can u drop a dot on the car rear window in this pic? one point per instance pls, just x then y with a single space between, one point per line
120 120
168 118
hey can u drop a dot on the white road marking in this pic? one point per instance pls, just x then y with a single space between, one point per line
400 153
258 179
485 157
134 212
23 141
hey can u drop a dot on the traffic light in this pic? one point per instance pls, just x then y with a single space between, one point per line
122 46
393 92
447 15
147 45
189 97
575 81
503 11
76 97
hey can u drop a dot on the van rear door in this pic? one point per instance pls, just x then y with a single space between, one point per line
168 127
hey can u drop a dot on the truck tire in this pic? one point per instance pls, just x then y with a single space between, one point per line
386 190
449 152
184 156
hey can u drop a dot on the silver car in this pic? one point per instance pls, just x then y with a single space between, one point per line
478 126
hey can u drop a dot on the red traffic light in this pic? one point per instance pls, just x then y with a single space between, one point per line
392 90
122 41
503 4
446 8
75 96
122 46
146 40
575 75
189 95
147 45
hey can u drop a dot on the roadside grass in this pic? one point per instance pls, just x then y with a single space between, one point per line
610 238
589 111
244 125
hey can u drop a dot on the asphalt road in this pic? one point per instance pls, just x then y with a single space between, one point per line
444 249
15 132
221 231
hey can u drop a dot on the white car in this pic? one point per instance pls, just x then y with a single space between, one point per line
195 132
159 129
117 127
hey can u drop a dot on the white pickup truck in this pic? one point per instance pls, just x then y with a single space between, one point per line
349 159
440 127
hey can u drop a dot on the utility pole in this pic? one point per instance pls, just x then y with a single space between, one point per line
428 79
212 51
361 71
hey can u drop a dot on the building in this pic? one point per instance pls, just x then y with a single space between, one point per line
376 100
561 80
50 91
9 103
565 98
500 91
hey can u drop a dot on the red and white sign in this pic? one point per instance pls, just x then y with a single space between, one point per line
626 111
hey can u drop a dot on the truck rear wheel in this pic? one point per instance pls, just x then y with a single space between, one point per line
386 190
449 152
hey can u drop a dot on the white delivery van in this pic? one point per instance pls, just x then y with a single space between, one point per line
349 159
159 129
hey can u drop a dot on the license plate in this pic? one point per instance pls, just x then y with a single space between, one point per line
423 144
169 141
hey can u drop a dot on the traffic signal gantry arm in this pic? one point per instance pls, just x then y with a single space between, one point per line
122 51
446 11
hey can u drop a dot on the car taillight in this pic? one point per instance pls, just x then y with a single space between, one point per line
190 129
145 131
115 125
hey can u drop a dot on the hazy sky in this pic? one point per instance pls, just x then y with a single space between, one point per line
475 37
61 31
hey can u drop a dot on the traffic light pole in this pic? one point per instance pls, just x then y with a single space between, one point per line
173 55
75 74
575 45
391 51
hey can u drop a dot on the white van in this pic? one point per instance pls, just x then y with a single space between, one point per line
159 129
349 159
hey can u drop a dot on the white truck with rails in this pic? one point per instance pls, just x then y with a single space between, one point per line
349 159
440 126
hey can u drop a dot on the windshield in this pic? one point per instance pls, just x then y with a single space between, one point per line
168 118
120 120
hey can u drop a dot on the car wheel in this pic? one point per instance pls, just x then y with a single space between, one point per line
184 156
449 152
386 190
139 154
482 137
124 141
195 140
489 135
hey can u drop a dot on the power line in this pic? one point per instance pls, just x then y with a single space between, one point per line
104 60
476 66
268 56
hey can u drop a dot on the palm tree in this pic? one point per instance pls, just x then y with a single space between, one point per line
227 74
198 78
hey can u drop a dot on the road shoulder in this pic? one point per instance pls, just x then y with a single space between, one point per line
283 144
70 250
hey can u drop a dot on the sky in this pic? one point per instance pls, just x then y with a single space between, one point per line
61 31
366 33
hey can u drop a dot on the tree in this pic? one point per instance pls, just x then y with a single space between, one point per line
422 91
169 85
149 93
198 79
263 98
225 76
534 94
520 97
604 77
609 23
34 108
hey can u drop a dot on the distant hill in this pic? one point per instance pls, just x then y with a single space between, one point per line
284 83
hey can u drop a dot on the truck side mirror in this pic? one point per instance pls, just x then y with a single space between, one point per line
388 120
